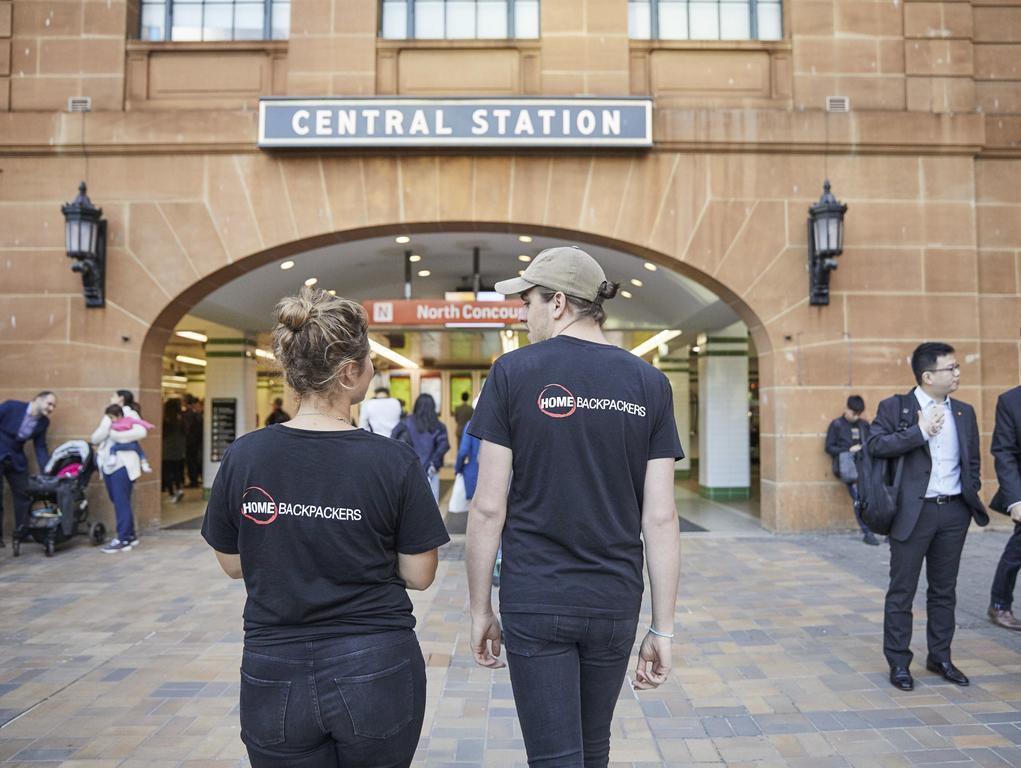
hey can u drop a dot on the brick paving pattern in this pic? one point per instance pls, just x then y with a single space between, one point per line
132 660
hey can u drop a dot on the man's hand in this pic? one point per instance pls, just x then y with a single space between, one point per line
1015 511
485 641
931 422
854 448
653 663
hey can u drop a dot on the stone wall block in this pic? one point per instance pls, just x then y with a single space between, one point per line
344 180
152 241
192 226
719 224
491 188
33 318
900 317
567 191
939 57
264 186
306 196
951 270
419 188
231 212
455 187
531 185
759 242
383 194
997 272
869 268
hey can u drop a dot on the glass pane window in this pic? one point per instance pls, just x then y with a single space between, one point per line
459 19
187 22
154 21
217 20
705 19
281 22
249 21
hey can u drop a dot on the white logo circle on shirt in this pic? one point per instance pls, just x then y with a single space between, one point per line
556 401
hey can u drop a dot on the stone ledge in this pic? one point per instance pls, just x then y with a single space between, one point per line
699 130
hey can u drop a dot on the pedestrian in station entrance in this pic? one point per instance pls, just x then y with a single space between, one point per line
937 438
844 438
588 429
462 415
424 431
191 419
380 414
121 468
329 526
175 450
19 423
1007 460
278 415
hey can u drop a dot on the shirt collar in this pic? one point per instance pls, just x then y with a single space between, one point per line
923 398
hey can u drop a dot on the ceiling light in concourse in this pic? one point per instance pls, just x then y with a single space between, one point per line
524 239
650 266
191 360
392 356
524 257
311 281
636 282
193 335
402 239
424 273
414 258
264 354
332 292
287 264
626 294
650 344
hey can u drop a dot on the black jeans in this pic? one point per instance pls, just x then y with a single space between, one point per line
566 673
348 702
173 475
18 481
852 490
1002 595
938 539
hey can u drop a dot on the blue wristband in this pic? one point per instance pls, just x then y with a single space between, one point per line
658 634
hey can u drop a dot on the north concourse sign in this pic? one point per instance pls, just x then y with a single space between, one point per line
394 122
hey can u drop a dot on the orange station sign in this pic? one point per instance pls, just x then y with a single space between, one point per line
403 312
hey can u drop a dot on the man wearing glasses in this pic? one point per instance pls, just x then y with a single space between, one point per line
937 437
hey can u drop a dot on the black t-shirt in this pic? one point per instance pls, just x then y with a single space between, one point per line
318 519
582 420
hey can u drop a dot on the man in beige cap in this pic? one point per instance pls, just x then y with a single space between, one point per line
588 429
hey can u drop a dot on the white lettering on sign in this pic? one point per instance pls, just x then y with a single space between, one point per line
383 312
323 127
299 122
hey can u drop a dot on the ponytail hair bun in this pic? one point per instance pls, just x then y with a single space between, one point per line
607 290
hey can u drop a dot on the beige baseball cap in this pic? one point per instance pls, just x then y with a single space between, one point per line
564 268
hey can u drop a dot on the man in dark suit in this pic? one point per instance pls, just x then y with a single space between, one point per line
19 423
938 497
845 435
1007 460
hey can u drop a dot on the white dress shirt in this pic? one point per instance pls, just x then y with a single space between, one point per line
945 479
380 415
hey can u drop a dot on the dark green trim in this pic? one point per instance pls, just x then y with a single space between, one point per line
726 339
671 369
682 474
205 493
239 340
724 353
718 494
238 353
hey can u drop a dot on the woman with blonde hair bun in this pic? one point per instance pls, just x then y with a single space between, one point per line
329 526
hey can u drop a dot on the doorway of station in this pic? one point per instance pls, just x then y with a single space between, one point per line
219 363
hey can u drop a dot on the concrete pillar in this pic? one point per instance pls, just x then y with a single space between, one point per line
230 376
724 466
677 367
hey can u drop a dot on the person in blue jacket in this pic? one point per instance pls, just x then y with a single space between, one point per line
19 423
428 436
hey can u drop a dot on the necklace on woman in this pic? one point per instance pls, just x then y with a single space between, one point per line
330 415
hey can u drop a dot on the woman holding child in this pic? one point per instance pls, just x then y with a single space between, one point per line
121 462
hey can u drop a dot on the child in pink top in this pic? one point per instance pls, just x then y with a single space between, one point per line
122 423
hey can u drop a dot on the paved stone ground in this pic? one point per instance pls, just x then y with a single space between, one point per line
131 660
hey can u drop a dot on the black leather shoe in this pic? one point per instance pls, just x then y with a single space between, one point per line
948 672
901 678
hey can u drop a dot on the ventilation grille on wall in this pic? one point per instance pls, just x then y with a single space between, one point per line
79 104
838 104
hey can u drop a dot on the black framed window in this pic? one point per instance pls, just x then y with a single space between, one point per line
459 19
215 20
705 19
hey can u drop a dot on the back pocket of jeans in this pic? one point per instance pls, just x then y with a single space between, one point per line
263 709
381 703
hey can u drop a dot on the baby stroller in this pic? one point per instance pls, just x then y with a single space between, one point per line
58 508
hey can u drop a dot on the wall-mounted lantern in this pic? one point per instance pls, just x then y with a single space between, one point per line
85 242
825 243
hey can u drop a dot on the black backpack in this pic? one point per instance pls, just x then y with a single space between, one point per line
879 484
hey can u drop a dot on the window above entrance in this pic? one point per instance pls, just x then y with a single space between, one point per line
214 20
705 20
459 19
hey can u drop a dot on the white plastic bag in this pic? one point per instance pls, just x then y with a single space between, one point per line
458 499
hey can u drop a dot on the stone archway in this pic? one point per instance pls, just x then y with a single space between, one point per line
677 210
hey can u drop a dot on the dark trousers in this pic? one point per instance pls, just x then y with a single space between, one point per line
852 490
349 702
1002 595
119 487
938 539
566 673
18 481
193 458
173 475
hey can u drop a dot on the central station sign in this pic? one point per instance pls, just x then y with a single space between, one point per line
438 312
293 123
